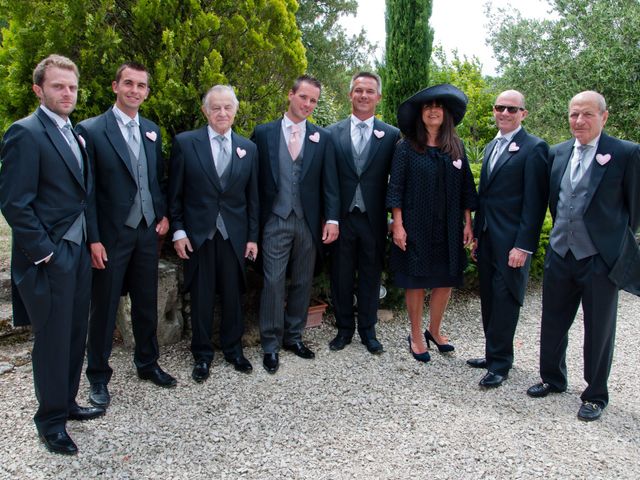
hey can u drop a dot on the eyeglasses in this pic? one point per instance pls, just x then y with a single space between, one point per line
510 109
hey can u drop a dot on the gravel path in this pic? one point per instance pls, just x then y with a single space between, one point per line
345 415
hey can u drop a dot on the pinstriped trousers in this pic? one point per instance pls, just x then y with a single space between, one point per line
286 242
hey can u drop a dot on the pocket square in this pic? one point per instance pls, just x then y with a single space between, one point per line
151 136
315 138
241 152
457 164
603 159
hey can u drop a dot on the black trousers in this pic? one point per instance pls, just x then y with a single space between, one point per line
356 260
567 283
214 268
133 261
58 347
500 309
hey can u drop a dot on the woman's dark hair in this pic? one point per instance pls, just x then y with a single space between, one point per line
447 140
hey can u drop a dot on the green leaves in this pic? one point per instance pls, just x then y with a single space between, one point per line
187 45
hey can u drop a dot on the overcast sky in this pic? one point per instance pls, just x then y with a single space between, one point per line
457 24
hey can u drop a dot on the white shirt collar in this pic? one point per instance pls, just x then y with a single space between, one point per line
509 135
592 143
212 134
124 118
58 120
369 121
288 122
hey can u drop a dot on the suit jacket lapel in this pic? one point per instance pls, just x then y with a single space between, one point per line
202 147
273 141
149 148
507 154
484 175
557 171
61 145
597 170
114 135
346 144
375 144
309 148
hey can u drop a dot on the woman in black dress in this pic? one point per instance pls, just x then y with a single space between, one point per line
431 194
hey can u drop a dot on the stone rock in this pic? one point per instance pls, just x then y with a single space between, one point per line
170 320
5 368
385 315
5 286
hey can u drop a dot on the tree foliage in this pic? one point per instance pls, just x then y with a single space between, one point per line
187 45
408 50
478 126
587 45
332 55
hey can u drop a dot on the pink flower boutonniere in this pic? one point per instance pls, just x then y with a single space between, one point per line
513 147
82 142
378 133
241 152
457 163
315 138
603 159
151 136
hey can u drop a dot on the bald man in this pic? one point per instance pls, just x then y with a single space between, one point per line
513 200
595 203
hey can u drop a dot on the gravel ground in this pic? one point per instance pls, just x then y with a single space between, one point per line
345 414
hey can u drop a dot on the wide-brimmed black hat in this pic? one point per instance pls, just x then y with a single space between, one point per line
453 99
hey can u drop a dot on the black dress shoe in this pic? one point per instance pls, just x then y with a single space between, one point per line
240 363
200 372
590 411
158 376
271 362
542 390
339 342
300 349
59 442
84 413
373 345
492 380
477 362
99 395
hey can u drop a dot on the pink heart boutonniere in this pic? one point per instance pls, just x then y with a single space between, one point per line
151 136
513 147
315 138
82 142
457 163
241 152
603 159
378 133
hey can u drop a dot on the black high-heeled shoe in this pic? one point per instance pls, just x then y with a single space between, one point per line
421 357
442 348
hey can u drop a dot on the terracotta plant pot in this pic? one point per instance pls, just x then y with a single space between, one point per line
316 310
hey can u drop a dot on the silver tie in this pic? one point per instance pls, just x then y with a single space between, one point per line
223 157
362 141
577 169
73 143
500 141
132 138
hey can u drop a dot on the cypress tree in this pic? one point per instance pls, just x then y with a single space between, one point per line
408 50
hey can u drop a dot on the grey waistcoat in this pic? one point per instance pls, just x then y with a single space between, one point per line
569 231
142 203
288 198
359 160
